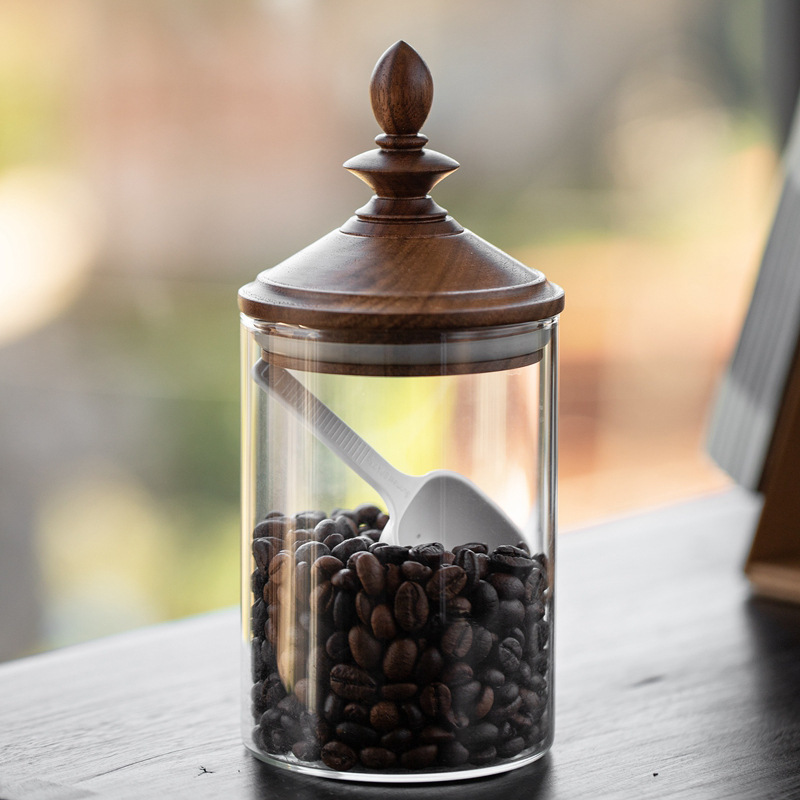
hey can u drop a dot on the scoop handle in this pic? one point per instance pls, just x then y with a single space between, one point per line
394 487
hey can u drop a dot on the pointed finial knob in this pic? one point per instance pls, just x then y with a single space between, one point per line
401 91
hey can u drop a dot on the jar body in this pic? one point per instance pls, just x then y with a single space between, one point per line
368 659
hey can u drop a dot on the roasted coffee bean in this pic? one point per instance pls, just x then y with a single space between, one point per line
398 691
302 580
346 549
453 754
365 647
356 712
310 552
468 561
365 605
382 622
270 718
485 602
493 677
333 708
308 519
482 642
291 706
507 693
457 639
506 558
434 734
480 758
535 583
338 756
534 611
466 696
273 527
352 683
278 741
345 525
446 583
511 748
536 683
430 666
429 554
355 735
393 579
419 757
280 566
305 750
324 528
337 646
370 573
377 757
411 606
485 702
345 579
457 674
508 586
413 716
322 599
372 533
478 736
353 560
399 661
535 704
435 700
476 547
511 613
259 614
366 513
499 713
415 571
398 740
381 520
458 608
509 653
325 567
264 550
390 553
332 540
344 610
384 716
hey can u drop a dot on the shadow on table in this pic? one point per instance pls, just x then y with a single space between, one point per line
516 785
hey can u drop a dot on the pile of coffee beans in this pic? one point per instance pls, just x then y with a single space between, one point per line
374 656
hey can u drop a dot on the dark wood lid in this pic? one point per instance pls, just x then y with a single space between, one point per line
401 264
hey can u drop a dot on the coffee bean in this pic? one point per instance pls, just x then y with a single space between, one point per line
338 756
324 528
411 606
534 704
511 748
377 757
365 648
457 674
398 740
512 613
381 520
511 559
508 586
273 527
346 549
493 677
322 599
476 547
332 540
430 666
355 735
305 750
446 583
384 716
507 693
434 734
365 605
390 553
366 513
415 571
419 757
509 653
352 683
370 573
468 561
453 754
325 567
476 737
534 611
372 534
466 695
346 525
413 716
393 579
344 610
264 549
345 579
435 700
280 566
382 622
485 602
399 691
356 712
482 642
485 702
302 580
399 661
457 639
429 554
332 708
458 608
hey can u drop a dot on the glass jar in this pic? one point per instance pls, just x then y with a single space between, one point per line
399 489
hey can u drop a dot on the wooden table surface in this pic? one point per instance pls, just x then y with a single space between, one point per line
672 682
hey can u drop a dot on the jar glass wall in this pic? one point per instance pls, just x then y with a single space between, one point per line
370 659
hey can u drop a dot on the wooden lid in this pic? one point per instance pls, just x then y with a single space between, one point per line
401 265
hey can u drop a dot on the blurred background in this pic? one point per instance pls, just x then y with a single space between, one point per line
157 154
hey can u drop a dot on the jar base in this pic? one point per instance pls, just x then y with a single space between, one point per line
398 777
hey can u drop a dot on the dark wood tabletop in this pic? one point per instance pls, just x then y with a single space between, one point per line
672 682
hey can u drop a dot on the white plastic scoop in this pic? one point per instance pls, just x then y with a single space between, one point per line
440 506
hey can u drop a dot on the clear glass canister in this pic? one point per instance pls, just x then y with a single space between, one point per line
399 516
